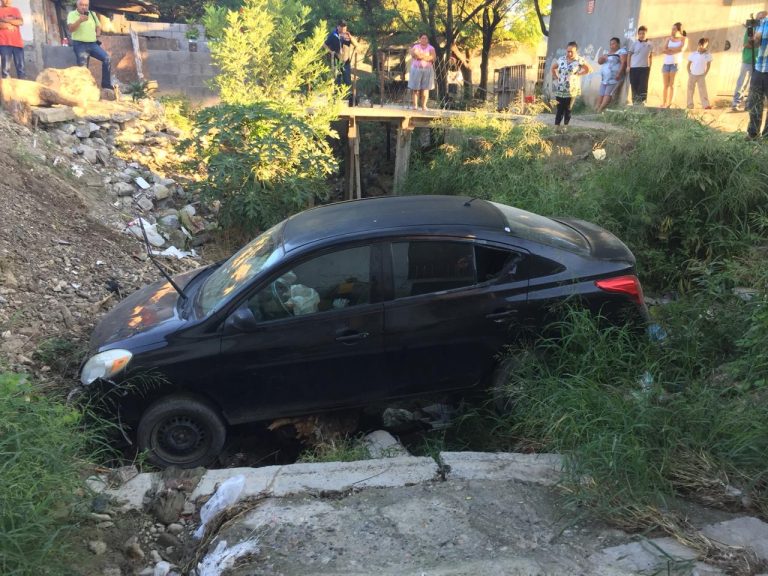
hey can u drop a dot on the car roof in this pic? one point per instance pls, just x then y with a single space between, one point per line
387 213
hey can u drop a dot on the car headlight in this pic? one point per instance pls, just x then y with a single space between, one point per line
105 365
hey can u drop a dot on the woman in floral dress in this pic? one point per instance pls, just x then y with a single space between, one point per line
566 83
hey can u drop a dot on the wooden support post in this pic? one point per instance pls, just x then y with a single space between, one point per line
352 186
402 155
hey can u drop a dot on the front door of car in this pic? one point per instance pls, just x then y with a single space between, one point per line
454 305
315 338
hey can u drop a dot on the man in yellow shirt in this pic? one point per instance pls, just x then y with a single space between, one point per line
84 27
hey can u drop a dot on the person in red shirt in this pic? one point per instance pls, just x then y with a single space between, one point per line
11 44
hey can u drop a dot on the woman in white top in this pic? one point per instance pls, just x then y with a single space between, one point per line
674 46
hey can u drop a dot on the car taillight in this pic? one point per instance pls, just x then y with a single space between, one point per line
628 285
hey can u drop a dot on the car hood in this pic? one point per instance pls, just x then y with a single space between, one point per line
144 310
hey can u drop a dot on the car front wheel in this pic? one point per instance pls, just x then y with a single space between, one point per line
181 431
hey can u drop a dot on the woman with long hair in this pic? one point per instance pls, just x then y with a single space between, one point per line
674 46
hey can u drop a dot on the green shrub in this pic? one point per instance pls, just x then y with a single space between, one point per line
261 161
42 452
264 153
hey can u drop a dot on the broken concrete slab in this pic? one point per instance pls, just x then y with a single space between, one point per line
536 468
657 555
381 444
745 532
323 476
53 115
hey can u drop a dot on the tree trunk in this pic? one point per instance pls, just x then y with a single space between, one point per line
542 24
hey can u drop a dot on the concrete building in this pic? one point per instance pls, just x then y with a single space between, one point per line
591 23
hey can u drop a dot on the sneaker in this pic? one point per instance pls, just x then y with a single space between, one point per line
734 108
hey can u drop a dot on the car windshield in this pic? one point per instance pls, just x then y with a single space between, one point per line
543 230
259 254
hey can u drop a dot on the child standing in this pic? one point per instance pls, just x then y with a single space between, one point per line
698 66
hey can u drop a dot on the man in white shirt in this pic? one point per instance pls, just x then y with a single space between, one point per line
698 66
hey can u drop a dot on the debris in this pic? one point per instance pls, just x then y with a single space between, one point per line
143 184
154 237
174 252
228 493
599 153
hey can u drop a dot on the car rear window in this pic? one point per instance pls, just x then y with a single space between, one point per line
543 230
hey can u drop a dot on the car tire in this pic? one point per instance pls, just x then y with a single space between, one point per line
503 392
182 431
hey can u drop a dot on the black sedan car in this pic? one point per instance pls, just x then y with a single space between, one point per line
345 305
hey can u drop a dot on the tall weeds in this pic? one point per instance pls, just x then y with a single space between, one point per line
42 448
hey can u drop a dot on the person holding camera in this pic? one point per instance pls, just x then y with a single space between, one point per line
758 85
340 44
11 44
745 74
84 29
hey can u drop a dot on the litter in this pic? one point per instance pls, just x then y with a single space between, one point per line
174 252
228 493
154 237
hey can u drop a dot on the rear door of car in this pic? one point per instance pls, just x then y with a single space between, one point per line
453 305
325 352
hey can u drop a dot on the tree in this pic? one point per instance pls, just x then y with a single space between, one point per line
263 154
517 17
540 14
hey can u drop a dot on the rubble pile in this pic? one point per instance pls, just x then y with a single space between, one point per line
77 179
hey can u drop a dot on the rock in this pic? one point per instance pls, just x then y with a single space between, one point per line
160 192
167 540
167 506
108 94
112 571
97 547
146 204
123 189
83 129
142 183
62 137
89 154
103 156
170 221
53 115
133 550
75 83
31 93
120 476
175 528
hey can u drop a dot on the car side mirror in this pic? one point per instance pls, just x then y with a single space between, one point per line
241 320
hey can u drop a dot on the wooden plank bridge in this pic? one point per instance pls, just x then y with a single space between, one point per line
405 120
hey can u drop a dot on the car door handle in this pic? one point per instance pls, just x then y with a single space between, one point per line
351 338
500 317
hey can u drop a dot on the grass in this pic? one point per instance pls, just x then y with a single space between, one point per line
43 450
641 423
336 449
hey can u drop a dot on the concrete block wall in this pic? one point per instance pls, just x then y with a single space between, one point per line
187 73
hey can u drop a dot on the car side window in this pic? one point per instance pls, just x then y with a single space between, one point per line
421 267
330 281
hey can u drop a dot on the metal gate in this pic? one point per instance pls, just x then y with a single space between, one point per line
509 85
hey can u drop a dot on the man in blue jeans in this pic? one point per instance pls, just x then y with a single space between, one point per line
758 85
84 27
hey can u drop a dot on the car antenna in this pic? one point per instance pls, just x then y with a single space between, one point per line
468 202
157 264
